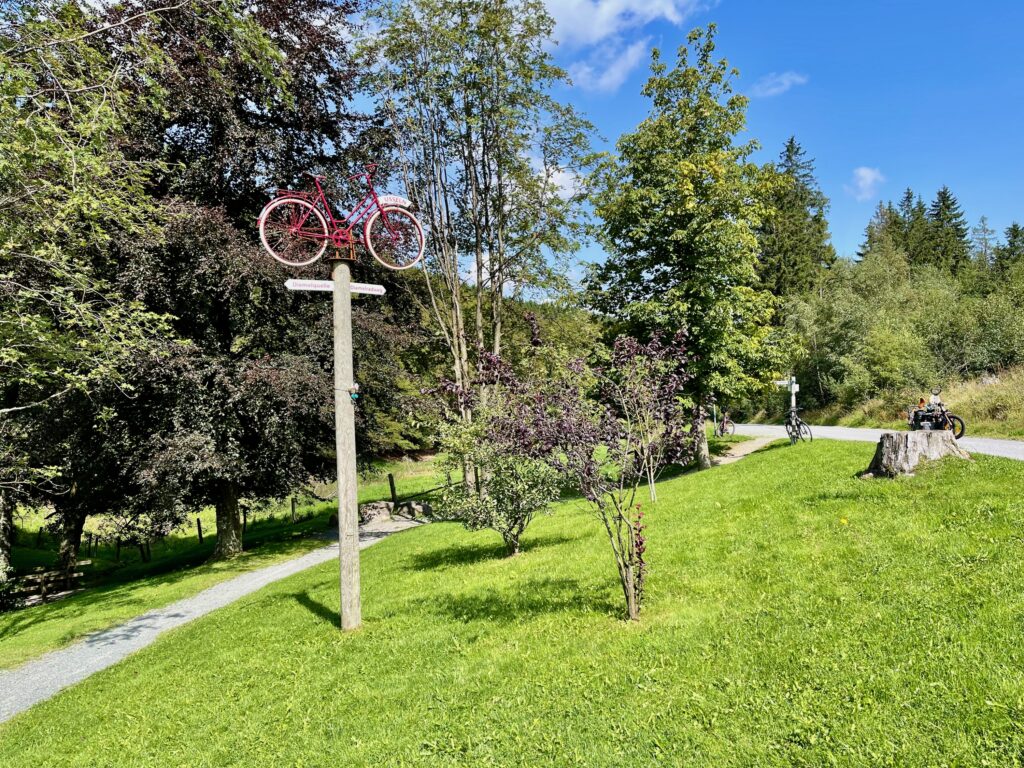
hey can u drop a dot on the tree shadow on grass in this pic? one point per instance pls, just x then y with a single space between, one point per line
525 599
468 554
317 608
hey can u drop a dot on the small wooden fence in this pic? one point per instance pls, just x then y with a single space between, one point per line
40 585
418 495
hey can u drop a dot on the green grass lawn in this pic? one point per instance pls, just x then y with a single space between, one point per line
126 588
29 632
796 616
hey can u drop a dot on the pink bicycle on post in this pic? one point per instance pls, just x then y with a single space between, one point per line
297 227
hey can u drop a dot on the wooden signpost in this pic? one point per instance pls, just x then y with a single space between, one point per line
341 287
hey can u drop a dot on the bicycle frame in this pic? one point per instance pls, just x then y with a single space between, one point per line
341 230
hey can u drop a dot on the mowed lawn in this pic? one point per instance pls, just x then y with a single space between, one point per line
796 616
179 568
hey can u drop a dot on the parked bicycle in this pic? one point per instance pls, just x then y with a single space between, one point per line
797 428
296 227
725 426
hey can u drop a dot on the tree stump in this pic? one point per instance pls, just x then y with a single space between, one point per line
899 453
375 510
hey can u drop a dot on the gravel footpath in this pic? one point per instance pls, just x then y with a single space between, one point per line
41 678
991 446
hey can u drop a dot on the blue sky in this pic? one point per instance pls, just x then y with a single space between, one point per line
883 95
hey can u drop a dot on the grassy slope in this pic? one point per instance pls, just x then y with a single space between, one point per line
178 569
796 616
990 410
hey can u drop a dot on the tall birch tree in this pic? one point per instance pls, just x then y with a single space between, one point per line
486 153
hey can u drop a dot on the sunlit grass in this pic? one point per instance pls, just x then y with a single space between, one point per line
796 615
125 587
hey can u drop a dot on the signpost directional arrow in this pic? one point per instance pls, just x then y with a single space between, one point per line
328 285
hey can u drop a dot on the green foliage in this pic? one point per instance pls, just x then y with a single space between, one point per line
680 205
507 490
68 192
794 238
1010 253
792 619
512 489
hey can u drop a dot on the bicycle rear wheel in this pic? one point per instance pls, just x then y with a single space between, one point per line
957 425
395 238
728 428
293 231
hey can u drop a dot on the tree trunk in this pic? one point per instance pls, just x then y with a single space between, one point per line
701 454
899 453
629 589
71 524
512 546
229 525
6 535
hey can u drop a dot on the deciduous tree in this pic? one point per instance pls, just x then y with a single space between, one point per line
487 154
680 207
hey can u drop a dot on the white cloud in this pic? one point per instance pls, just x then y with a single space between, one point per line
608 67
567 182
865 183
775 83
586 22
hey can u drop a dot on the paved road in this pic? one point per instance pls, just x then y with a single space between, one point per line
1010 449
42 678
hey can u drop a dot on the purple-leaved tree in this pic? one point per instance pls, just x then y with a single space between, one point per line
607 430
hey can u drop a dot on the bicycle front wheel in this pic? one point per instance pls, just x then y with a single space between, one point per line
728 428
293 231
394 237
805 432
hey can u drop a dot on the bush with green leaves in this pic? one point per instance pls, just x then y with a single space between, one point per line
508 489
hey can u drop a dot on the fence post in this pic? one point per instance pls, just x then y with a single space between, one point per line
245 520
394 493
293 510
39 538
199 529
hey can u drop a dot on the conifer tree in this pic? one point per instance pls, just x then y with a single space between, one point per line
912 232
983 239
950 246
795 243
1011 252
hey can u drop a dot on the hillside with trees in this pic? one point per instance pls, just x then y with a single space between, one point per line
928 301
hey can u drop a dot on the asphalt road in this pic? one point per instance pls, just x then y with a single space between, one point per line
991 446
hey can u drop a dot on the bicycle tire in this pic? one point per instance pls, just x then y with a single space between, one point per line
805 429
957 426
398 243
293 231
728 428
